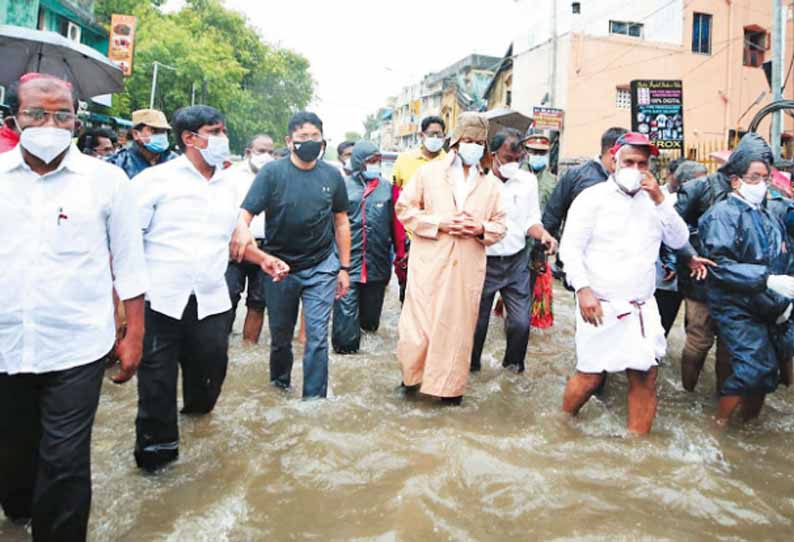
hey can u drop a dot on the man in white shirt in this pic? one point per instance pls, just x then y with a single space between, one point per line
258 153
610 245
189 209
70 236
507 270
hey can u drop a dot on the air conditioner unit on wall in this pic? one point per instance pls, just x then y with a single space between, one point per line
73 32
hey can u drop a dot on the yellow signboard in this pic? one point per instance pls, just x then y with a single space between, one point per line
122 41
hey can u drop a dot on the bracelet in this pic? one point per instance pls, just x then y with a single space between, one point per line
344 268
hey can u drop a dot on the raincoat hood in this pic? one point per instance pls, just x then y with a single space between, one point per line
361 151
751 148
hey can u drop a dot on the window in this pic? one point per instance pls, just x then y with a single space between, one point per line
633 30
623 98
701 33
756 44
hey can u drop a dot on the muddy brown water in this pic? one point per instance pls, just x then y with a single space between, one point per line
369 465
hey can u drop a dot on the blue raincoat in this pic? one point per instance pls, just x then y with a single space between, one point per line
748 245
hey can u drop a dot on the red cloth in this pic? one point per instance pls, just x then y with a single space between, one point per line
8 139
398 234
542 315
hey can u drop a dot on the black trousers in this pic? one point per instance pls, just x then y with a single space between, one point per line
359 309
200 348
45 449
669 303
510 277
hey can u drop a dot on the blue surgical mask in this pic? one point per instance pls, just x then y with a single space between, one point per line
158 143
538 162
371 172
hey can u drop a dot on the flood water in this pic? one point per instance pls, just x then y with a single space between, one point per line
369 465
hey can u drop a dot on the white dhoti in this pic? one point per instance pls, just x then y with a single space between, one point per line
631 337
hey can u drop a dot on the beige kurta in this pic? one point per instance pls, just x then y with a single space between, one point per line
445 277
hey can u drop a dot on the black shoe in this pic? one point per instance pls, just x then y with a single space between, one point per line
408 390
452 401
151 462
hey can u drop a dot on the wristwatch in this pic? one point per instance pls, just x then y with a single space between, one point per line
344 268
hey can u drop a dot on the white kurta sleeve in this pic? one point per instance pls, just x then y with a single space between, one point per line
130 278
675 233
575 238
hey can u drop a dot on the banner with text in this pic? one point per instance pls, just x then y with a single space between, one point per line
122 41
657 110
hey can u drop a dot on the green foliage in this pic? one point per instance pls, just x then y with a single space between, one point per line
257 86
353 136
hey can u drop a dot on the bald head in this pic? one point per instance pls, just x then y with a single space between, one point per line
39 85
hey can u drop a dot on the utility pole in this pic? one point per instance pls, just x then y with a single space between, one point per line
777 73
154 80
553 89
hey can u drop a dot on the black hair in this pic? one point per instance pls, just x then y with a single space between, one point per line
192 118
304 117
89 139
427 121
12 94
504 135
257 136
673 165
282 152
343 146
610 137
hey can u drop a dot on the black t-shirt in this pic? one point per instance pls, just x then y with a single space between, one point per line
299 207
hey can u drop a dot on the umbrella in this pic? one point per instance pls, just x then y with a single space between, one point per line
24 50
506 118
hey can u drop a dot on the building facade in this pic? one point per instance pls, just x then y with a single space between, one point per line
584 62
73 19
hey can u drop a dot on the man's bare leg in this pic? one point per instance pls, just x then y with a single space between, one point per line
752 405
579 389
252 328
727 405
642 400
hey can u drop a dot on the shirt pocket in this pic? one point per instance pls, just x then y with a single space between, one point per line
71 233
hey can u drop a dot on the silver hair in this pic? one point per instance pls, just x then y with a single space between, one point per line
688 170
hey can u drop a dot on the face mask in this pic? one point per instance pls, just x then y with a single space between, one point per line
308 151
629 180
348 165
470 153
509 170
753 193
45 142
433 144
538 161
217 151
259 160
158 143
371 172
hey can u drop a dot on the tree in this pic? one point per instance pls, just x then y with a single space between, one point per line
353 136
256 86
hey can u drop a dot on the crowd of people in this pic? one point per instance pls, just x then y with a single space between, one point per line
145 253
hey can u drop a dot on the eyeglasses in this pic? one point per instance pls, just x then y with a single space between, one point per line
755 179
434 134
38 115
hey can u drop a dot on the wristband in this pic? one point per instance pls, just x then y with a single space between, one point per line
344 268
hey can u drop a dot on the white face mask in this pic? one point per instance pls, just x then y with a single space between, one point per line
509 170
433 144
259 160
629 179
470 153
348 165
753 193
217 151
45 142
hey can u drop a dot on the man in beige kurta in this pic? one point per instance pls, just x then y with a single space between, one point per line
454 209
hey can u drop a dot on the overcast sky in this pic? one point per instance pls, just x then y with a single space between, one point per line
362 51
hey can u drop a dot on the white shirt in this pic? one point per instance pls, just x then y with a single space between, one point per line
59 233
187 225
522 204
462 185
611 241
243 177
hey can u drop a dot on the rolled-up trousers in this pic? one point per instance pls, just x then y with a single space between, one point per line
200 348
508 275
45 449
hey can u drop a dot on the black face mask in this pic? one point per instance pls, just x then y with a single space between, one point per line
308 151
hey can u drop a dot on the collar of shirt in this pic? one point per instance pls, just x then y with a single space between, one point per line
74 161
184 163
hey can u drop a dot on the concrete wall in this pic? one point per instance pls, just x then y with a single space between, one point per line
532 75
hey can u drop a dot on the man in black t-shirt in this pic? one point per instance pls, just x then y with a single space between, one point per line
306 227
